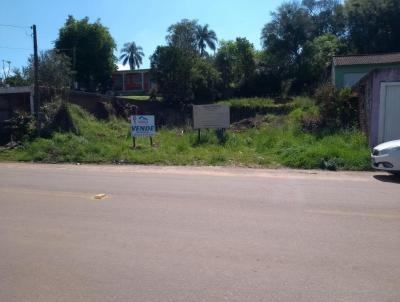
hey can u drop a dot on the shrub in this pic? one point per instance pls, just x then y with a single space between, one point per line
153 94
307 116
205 80
222 136
56 116
171 68
20 125
338 109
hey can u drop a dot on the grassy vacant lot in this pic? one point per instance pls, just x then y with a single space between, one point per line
138 97
249 102
276 141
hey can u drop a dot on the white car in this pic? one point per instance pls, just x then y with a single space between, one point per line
386 157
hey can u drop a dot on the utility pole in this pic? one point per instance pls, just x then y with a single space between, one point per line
74 68
36 79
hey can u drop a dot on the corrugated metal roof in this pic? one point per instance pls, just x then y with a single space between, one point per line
367 59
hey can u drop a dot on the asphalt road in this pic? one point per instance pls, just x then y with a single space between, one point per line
197 234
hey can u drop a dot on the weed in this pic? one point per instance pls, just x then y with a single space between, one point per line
278 141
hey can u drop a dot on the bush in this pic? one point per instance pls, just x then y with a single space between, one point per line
153 94
56 117
306 116
338 109
205 80
277 141
20 125
171 69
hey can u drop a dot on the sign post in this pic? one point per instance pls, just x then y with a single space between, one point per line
210 117
143 126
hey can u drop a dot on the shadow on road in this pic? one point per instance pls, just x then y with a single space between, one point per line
388 178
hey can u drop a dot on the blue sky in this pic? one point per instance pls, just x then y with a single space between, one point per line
144 22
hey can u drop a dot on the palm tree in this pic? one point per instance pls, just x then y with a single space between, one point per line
205 37
132 54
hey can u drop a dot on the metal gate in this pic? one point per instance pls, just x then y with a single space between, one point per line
389 112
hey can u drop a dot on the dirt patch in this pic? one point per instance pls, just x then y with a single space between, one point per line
248 123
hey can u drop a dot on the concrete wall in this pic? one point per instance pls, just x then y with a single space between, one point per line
387 75
15 99
369 89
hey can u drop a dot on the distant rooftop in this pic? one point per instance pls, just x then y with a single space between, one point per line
367 59
133 71
22 89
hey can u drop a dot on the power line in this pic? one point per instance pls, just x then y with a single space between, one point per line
24 28
15 26
15 48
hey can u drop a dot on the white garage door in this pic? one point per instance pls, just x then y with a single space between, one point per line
389 112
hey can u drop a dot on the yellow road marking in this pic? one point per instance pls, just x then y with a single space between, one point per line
356 214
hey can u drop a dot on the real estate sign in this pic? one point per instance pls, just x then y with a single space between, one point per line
211 116
143 125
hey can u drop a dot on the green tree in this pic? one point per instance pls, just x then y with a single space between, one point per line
205 80
235 60
373 25
90 48
316 61
183 35
327 15
224 61
131 54
205 37
171 69
300 40
284 39
291 27
17 79
54 70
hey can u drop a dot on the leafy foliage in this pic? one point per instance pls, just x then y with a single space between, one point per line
316 61
183 77
20 125
17 79
183 35
274 144
302 37
191 37
291 27
235 61
131 54
171 68
205 80
373 25
56 117
328 16
205 37
90 48
54 70
338 108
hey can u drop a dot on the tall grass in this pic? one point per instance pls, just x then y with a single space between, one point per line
277 143
249 102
